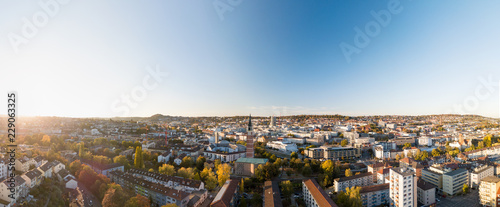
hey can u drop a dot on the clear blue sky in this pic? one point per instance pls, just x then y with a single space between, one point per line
265 57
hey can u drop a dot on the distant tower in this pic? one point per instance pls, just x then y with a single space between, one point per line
216 137
273 121
250 152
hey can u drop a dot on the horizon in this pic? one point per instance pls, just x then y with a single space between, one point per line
275 58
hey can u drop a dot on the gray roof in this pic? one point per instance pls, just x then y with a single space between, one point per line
456 172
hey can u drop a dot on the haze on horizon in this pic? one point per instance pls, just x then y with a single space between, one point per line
264 58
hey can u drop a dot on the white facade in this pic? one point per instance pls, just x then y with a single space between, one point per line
283 146
425 141
479 174
403 187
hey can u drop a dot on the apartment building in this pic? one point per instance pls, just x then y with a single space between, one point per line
333 153
480 173
488 191
454 181
272 195
403 188
375 195
383 175
426 192
187 185
227 195
314 195
159 194
363 179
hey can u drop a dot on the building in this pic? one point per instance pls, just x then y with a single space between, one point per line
227 195
250 139
488 191
20 190
247 166
159 194
282 146
454 181
272 195
363 179
403 188
425 141
382 175
333 153
272 121
479 173
103 168
179 183
314 195
426 192
375 195
374 168
165 157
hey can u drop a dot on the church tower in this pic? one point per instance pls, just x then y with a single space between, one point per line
250 137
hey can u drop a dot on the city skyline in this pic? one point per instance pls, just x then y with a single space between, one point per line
259 57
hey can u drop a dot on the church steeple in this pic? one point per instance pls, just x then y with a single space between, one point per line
250 123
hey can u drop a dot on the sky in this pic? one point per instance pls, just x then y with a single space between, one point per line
113 58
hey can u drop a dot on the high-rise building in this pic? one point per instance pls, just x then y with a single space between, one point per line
403 187
216 141
488 190
273 121
250 138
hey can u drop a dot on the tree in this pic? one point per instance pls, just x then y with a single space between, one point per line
435 153
327 167
398 157
406 145
75 166
216 163
170 205
287 188
242 185
186 162
243 202
186 173
114 197
294 155
465 188
81 149
138 161
138 201
167 169
343 143
122 160
223 173
480 145
200 163
348 173
208 176
306 170
350 197
487 140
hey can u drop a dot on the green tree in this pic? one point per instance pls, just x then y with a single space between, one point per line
294 155
343 143
186 173
81 149
200 163
348 173
243 202
306 170
287 188
242 185
186 162
480 145
435 153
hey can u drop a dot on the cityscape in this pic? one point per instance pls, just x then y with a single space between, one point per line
238 103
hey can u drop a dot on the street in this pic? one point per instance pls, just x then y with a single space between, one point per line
469 200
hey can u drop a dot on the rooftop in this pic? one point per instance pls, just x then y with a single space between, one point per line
252 160
319 194
373 188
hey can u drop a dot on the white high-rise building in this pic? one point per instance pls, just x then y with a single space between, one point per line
273 121
403 187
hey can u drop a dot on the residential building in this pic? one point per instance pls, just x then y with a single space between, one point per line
282 146
479 173
403 187
454 181
179 183
383 175
488 191
103 168
314 195
227 195
375 195
272 195
165 157
426 192
363 179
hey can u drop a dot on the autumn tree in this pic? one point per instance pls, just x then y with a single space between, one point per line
343 143
350 197
138 201
223 173
200 163
114 197
186 173
138 161
348 173
122 160
167 169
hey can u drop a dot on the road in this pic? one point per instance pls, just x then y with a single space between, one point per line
86 197
469 200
